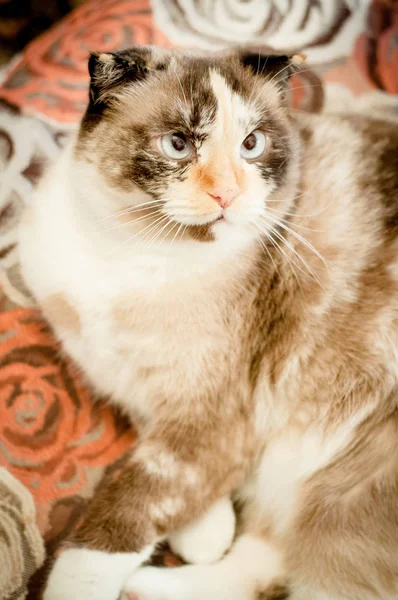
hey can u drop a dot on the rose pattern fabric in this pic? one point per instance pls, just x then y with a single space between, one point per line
324 30
52 76
54 439
26 145
51 432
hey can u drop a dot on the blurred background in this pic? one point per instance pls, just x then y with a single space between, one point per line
23 20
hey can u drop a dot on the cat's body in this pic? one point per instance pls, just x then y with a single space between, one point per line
267 370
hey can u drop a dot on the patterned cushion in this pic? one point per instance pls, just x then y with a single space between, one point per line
54 439
21 545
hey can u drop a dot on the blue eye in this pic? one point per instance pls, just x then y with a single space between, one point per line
254 146
175 146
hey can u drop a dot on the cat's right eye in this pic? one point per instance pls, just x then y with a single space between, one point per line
175 146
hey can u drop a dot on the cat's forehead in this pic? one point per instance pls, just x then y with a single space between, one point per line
202 97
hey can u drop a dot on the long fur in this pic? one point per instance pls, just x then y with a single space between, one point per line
257 352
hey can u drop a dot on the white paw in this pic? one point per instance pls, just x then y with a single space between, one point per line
80 574
193 582
153 583
208 538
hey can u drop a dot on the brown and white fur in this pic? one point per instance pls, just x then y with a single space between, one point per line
257 352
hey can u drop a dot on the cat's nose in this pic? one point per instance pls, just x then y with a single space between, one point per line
224 196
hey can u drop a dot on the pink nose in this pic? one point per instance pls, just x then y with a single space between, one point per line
224 196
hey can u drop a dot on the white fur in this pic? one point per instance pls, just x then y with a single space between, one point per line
208 538
291 459
168 507
251 564
91 575
66 249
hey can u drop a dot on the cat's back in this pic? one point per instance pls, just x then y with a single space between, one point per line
348 206
350 179
368 147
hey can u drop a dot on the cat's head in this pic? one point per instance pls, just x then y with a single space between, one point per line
202 141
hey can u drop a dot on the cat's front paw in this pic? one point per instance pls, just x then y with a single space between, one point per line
208 538
81 574
154 583
193 582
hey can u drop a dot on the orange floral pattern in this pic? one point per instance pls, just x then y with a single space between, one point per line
52 77
51 431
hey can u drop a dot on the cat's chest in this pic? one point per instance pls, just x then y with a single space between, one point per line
139 341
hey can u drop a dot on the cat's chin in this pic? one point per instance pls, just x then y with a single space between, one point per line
226 220
234 235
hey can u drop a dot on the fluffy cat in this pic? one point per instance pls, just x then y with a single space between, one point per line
226 271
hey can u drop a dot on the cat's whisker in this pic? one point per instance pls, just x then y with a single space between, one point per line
128 210
284 254
151 232
132 221
299 72
295 214
131 207
264 246
261 90
151 226
142 206
292 249
289 222
296 197
171 224
303 87
176 234
168 233
150 242
253 102
260 72
303 240
190 85
179 81
164 227
289 261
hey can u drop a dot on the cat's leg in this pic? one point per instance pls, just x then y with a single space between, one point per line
253 570
174 476
207 539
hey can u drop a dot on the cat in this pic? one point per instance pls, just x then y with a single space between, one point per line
225 270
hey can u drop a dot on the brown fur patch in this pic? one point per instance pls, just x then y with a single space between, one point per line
240 176
204 177
127 513
276 591
61 313
347 503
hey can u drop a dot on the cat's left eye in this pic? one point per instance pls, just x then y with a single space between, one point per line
254 146
175 146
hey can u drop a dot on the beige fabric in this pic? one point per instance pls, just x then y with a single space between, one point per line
21 545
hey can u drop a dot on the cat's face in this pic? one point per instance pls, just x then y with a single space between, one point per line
206 138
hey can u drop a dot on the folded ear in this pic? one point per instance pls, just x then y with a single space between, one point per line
271 66
110 70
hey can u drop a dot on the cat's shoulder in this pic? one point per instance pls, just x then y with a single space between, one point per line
354 130
368 144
